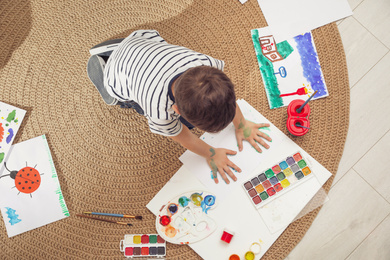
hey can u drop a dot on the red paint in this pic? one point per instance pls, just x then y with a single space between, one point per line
144 239
129 251
266 184
256 200
278 187
160 239
145 251
276 169
271 191
300 91
165 220
297 157
227 236
295 118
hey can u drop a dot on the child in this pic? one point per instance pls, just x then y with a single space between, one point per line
175 88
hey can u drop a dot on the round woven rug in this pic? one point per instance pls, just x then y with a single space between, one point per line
106 158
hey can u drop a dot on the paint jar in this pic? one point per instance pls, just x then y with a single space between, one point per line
227 235
298 123
234 257
254 249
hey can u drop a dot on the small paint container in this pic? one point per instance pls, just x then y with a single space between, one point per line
227 235
298 123
234 257
254 249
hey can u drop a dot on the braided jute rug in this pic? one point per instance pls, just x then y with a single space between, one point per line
106 158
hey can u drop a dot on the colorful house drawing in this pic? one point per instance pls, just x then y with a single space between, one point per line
269 49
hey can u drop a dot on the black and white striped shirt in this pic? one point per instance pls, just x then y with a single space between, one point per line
143 67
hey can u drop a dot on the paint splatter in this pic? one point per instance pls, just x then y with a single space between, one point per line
1 132
183 201
10 135
13 218
11 116
1 157
310 64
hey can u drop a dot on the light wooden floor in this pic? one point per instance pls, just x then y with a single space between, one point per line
355 222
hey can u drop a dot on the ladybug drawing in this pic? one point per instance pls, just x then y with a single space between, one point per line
27 179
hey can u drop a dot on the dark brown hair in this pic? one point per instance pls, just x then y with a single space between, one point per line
205 97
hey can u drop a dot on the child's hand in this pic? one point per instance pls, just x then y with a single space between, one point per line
219 162
250 132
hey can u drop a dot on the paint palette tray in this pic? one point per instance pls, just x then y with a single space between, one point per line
143 245
277 180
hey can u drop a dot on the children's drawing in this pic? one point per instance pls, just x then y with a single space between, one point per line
10 119
185 218
29 170
27 179
290 69
13 217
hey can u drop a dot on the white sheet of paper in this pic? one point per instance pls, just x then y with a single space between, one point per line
290 18
10 120
23 211
235 211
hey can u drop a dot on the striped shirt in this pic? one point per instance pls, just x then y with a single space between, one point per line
143 67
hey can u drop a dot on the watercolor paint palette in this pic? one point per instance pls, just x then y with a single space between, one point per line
277 180
185 219
143 245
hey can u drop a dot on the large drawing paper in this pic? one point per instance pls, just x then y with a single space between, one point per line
10 119
290 18
33 198
235 211
290 69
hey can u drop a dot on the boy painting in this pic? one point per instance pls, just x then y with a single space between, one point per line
176 88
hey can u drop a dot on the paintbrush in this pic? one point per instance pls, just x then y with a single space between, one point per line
304 104
106 220
113 215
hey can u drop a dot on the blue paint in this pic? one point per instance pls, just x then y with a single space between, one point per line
10 135
13 218
283 165
310 64
209 200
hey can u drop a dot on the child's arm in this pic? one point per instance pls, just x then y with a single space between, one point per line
216 157
249 131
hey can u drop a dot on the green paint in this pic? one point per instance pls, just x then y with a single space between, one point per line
265 128
267 69
247 132
212 152
1 157
241 125
302 164
264 195
280 176
11 116
152 239
284 48
269 173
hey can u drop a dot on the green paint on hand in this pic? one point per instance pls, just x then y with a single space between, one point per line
241 125
247 132
212 152
11 116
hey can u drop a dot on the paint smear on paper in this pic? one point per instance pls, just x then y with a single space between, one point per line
13 217
11 116
311 66
10 135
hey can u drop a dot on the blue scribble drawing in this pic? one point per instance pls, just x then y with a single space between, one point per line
13 218
10 135
310 63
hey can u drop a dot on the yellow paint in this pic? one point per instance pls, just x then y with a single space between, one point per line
285 183
288 172
259 188
249 255
306 171
137 239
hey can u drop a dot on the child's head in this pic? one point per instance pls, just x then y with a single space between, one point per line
205 97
